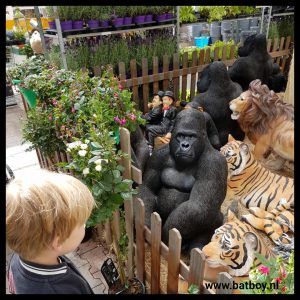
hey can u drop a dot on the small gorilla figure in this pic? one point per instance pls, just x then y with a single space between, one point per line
185 181
254 62
215 100
277 81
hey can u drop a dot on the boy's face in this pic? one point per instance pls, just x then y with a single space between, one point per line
167 101
74 240
156 101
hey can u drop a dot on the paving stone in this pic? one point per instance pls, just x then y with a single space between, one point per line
100 289
98 275
95 257
87 246
85 271
76 259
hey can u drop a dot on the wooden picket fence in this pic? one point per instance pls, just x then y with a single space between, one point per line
279 49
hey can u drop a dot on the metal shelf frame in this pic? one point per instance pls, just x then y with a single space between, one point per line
61 39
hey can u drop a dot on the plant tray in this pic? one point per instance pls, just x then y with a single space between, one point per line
109 272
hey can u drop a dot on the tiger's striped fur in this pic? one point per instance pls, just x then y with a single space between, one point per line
233 245
275 223
252 183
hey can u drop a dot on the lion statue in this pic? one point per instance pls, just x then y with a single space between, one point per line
267 121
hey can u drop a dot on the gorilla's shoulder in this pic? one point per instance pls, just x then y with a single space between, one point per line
159 156
214 156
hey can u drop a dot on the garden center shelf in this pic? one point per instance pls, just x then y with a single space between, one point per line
85 32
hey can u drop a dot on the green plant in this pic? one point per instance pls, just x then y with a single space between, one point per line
281 28
55 56
19 34
193 289
27 50
187 14
76 13
274 276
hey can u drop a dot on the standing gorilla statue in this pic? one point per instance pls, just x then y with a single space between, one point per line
254 62
277 81
185 181
215 101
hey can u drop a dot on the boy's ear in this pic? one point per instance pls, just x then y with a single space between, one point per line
56 244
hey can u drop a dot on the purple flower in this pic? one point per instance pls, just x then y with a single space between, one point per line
132 117
73 109
116 119
264 269
123 121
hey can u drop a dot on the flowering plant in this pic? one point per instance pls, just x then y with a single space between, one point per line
274 276
95 161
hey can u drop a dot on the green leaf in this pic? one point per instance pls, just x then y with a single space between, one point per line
116 173
77 106
96 152
105 186
120 168
93 159
95 145
96 190
126 196
262 259
193 289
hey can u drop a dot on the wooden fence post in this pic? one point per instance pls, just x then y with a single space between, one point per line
173 261
197 264
145 84
155 75
135 93
193 75
165 70
225 279
140 238
155 252
126 162
185 61
176 66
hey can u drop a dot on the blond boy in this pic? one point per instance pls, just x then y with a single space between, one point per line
45 219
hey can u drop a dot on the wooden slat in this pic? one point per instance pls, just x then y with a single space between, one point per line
107 234
155 252
136 175
126 162
224 277
269 43
197 264
148 279
216 53
184 76
97 71
224 53
207 56
193 75
176 66
275 46
155 71
280 49
39 157
140 238
201 60
173 261
69 161
165 69
286 47
231 56
133 70
145 85
279 53
116 225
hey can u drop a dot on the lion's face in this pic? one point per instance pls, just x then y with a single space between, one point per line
237 105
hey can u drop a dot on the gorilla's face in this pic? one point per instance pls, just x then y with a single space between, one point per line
204 81
185 146
248 46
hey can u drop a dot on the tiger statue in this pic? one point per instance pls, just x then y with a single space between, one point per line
252 183
275 224
233 245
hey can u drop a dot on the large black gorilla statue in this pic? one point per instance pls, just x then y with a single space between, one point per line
220 90
254 62
277 81
185 181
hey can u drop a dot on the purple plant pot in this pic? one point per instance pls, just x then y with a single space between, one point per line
93 23
160 18
170 15
66 25
118 22
127 20
148 18
104 23
52 24
139 19
77 24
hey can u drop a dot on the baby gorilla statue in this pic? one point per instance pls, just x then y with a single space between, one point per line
217 91
254 62
185 182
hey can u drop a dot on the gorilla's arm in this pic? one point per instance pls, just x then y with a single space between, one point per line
212 131
207 195
152 181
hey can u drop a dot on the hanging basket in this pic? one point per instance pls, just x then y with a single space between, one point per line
29 95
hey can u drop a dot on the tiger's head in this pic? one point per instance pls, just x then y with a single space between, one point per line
233 246
237 154
238 104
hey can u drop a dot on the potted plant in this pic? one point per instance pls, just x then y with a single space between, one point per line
64 13
170 12
118 16
128 15
187 15
148 14
76 14
91 15
51 15
138 13
104 14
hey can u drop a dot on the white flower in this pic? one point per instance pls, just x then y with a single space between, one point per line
98 168
83 146
68 149
82 152
71 145
87 141
94 115
77 143
86 171
98 161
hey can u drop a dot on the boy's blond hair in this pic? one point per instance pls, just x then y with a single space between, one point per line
41 206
